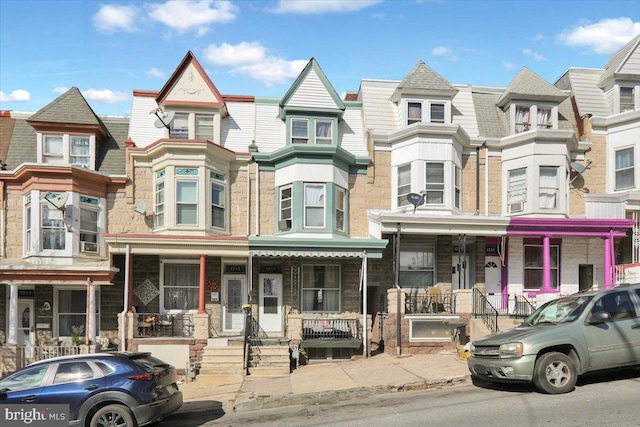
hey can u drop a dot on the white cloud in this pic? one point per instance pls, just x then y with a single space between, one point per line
308 7
252 59
154 72
60 90
191 15
18 95
441 50
105 96
111 18
509 66
604 37
535 55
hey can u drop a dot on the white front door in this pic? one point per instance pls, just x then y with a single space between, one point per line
270 307
26 328
234 295
493 282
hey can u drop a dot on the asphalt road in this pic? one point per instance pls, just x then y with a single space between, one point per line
609 399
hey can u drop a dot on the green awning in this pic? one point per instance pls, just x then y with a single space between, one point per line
331 343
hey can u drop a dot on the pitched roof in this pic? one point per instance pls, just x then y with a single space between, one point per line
6 130
529 86
68 108
422 81
618 60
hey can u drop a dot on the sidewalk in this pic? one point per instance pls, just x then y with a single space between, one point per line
331 381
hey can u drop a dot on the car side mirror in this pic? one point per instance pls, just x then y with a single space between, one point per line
599 317
3 395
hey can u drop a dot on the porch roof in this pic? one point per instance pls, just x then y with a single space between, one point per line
316 247
77 272
569 227
167 244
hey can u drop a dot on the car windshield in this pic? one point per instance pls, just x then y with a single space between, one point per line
561 310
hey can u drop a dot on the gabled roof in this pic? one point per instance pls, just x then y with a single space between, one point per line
311 91
618 60
190 85
528 86
6 130
423 81
70 108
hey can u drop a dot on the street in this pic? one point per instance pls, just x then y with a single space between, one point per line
608 399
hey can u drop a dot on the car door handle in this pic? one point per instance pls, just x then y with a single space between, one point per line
636 326
30 398
92 387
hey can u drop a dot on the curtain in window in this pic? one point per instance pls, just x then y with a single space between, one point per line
53 145
517 186
414 112
314 201
544 118
523 121
624 168
548 188
53 228
181 286
321 288
323 130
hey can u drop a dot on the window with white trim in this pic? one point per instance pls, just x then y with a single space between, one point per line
324 131
404 184
437 113
320 288
217 200
72 311
179 127
457 201
186 202
285 212
544 118
517 191
314 205
53 227
80 150
53 149
88 224
417 265
204 126
180 285
533 266
158 217
627 98
434 183
414 112
299 131
548 187
341 197
27 223
625 168
523 119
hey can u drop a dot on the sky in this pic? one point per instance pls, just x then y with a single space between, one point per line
108 49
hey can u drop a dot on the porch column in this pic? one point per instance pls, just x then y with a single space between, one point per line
546 265
14 316
130 281
607 263
203 271
91 288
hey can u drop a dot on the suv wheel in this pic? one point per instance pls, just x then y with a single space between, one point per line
113 416
555 373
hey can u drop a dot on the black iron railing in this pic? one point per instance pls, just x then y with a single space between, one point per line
163 325
426 301
484 310
331 329
523 307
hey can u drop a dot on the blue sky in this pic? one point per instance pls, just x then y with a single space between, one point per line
109 48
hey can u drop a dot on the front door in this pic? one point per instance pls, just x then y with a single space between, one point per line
234 295
493 282
270 307
26 329
460 272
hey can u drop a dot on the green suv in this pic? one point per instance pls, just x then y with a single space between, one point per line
562 339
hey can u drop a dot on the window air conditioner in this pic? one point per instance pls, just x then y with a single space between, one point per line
88 247
284 225
516 207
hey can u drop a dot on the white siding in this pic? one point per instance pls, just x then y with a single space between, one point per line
141 126
632 64
270 129
351 133
589 97
237 128
464 113
380 114
311 173
312 93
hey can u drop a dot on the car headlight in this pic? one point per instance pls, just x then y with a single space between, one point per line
472 349
511 350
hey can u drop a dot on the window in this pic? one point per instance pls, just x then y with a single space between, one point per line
548 187
72 371
27 225
434 183
625 168
72 311
533 270
324 131
437 113
180 286
523 119
404 184
53 228
186 202
627 101
321 288
285 209
544 118
88 224
217 200
299 131
204 127
80 150
159 204
53 149
340 206
180 126
25 380
314 205
517 193
457 202
414 112
417 265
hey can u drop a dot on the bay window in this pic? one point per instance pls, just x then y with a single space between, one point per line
27 225
457 201
186 202
434 183
53 227
437 113
179 128
284 220
217 200
341 196
544 120
314 203
88 224
180 285
321 288
159 202
548 189
625 168
533 266
404 184
517 191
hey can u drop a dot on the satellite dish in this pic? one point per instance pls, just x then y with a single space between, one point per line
57 200
140 208
415 199
164 119
577 167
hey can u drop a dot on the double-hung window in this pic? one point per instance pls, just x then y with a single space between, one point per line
53 149
417 265
437 113
434 183
457 201
186 202
404 184
341 196
80 150
523 119
324 131
284 221
533 266
517 192
53 227
27 223
544 120
72 311
88 224
217 200
414 112
180 285
314 203
204 126
180 126
625 168
321 288
299 131
548 190
159 200
627 101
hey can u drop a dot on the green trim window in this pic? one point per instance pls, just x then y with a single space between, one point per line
217 204
186 202
341 201
300 131
324 131
314 205
321 288
286 208
434 183
625 168
404 184
533 268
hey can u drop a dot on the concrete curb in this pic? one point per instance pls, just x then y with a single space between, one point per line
252 402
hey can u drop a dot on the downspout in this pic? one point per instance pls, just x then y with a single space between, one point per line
123 329
397 284
3 209
477 181
486 180
257 199
364 305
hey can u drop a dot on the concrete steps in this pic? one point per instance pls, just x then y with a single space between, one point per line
222 357
270 360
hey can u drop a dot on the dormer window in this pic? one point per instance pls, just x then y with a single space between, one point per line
180 126
324 131
627 98
299 131
67 149
53 149
544 118
414 112
204 126
523 119
437 113
80 150
532 117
